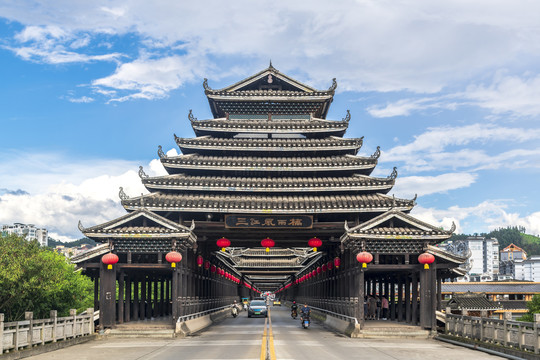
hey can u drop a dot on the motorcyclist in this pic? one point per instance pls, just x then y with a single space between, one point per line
234 308
294 309
305 311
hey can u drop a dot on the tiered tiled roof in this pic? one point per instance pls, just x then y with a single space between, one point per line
334 145
254 126
363 165
472 302
183 182
261 204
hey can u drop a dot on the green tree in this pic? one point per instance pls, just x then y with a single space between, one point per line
39 280
534 308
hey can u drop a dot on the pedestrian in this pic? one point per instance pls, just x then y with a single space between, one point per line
384 305
365 308
372 307
378 313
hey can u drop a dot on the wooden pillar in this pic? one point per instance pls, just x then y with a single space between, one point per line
162 298
434 296
439 291
127 310
96 292
168 297
149 297
156 297
360 293
107 296
121 298
425 299
136 306
400 299
142 302
392 299
175 296
408 314
414 303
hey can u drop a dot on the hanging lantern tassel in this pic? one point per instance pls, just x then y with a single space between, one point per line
267 243
315 243
223 243
426 259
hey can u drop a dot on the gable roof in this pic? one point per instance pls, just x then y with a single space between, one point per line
385 224
270 71
472 301
153 225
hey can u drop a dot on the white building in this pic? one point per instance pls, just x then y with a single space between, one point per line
28 230
484 260
528 269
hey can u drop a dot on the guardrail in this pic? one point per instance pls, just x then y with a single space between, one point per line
516 334
30 332
202 313
339 316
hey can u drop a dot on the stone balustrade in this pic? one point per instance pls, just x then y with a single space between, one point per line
30 332
516 334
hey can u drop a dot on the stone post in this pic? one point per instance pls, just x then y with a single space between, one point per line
447 322
90 311
28 315
54 317
507 317
536 335
73 313
1 334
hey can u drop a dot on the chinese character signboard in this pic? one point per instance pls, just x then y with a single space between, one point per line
269 221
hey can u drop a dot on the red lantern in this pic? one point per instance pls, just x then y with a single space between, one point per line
267 243
324 268
318 270
200 261
109 259
206 265
364 257
213 269
173 257
337 262
223 243
426 259
315 243
313 273
330 265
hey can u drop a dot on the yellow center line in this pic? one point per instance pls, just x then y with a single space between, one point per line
263 346
271 348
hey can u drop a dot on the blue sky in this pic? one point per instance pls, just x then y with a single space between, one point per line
449 90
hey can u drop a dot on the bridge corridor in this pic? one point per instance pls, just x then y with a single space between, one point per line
242 338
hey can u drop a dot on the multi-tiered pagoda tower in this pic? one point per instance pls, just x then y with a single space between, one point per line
270 165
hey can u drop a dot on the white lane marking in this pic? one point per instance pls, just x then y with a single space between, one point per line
190 342
298 343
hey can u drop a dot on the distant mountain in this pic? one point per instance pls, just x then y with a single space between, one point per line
54 243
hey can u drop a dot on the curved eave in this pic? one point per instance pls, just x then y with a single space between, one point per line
255 210
398 236
191 149
268 96
224 167
203 131
123 235
371 188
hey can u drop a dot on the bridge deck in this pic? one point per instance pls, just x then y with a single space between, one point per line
241 338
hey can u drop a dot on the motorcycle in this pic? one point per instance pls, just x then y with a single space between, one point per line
234 311
294 313
305 321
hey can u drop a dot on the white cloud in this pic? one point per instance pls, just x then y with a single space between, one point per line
456 147
152 78
82 99
484 217
407 187
368 45
67 190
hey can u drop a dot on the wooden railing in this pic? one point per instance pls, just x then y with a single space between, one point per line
516 334
30 332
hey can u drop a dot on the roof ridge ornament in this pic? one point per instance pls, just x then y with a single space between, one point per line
205 85
377 153
347 117
415 197
191 117
192 227
142 174
122 194
453 228
160 152
334 85
270 66
393 175
81 227
346 226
